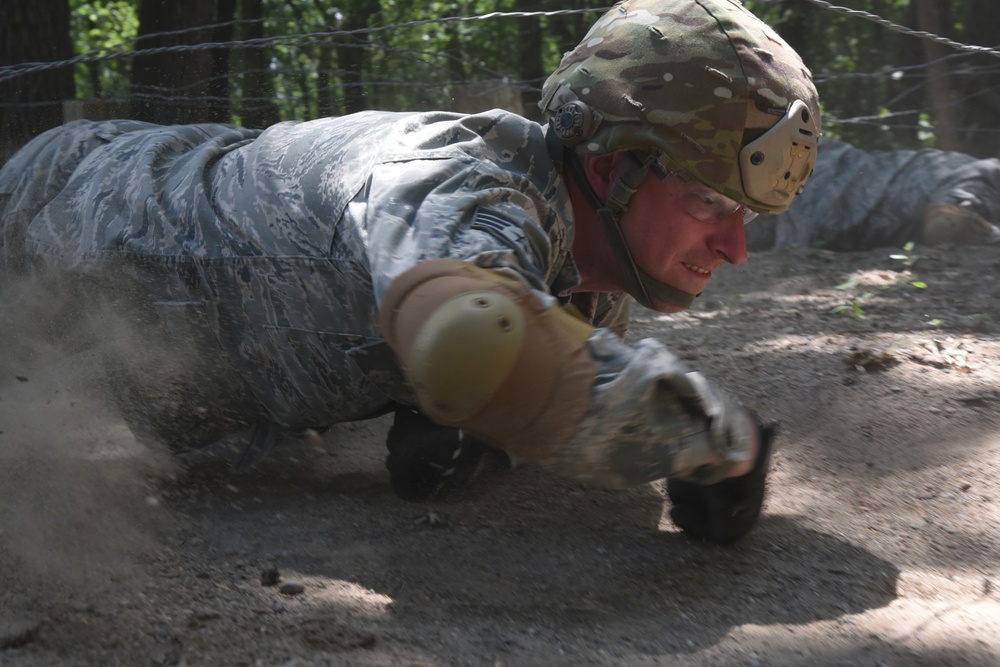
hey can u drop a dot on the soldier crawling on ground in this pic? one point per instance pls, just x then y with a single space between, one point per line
468 273
885 199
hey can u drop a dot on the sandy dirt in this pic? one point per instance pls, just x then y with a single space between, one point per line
880 543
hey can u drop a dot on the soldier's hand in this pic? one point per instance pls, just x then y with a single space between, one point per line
427 460
725 511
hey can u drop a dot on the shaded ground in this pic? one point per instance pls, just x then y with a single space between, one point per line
879 546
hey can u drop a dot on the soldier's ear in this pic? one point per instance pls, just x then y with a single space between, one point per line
601 171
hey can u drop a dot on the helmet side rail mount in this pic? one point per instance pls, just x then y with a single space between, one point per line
775 166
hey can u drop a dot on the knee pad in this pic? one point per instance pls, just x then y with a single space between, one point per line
485 355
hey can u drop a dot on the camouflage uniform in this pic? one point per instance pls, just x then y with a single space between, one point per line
249 266
259 258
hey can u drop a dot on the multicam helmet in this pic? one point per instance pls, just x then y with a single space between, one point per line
704 86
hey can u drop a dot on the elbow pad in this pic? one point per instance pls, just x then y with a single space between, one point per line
483 354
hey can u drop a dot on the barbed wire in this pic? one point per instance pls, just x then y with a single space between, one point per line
319 37
954 102
341 38
874 122
886 23
13 71
893 72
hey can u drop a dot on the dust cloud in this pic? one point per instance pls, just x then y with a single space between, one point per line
78 492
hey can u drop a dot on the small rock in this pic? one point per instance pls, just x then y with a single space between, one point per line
270 576
18 633
291 588
205 615
166 656
298 662
432 519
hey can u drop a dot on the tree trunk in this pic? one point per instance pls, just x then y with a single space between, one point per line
172 87
938 79
324 83
981 92
257 110
218 86
457 77
33 31
569 29
353 57
531 65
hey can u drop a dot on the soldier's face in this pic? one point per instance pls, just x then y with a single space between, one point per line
674 246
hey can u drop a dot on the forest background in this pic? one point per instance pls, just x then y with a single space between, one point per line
891 73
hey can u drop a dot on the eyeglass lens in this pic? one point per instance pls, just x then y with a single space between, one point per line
707 205
701 201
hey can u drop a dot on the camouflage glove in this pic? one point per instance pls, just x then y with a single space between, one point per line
426 460
725 511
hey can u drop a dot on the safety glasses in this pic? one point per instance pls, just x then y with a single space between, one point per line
702 202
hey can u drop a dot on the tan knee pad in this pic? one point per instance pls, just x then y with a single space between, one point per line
483 354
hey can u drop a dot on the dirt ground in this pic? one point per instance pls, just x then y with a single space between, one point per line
880 543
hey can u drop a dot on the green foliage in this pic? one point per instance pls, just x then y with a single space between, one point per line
853 308
874 82
859 285
102 27
907 257
909 260
408 67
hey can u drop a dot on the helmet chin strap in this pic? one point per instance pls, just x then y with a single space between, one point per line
643 287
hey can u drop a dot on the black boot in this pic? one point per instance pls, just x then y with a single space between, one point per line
427 460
